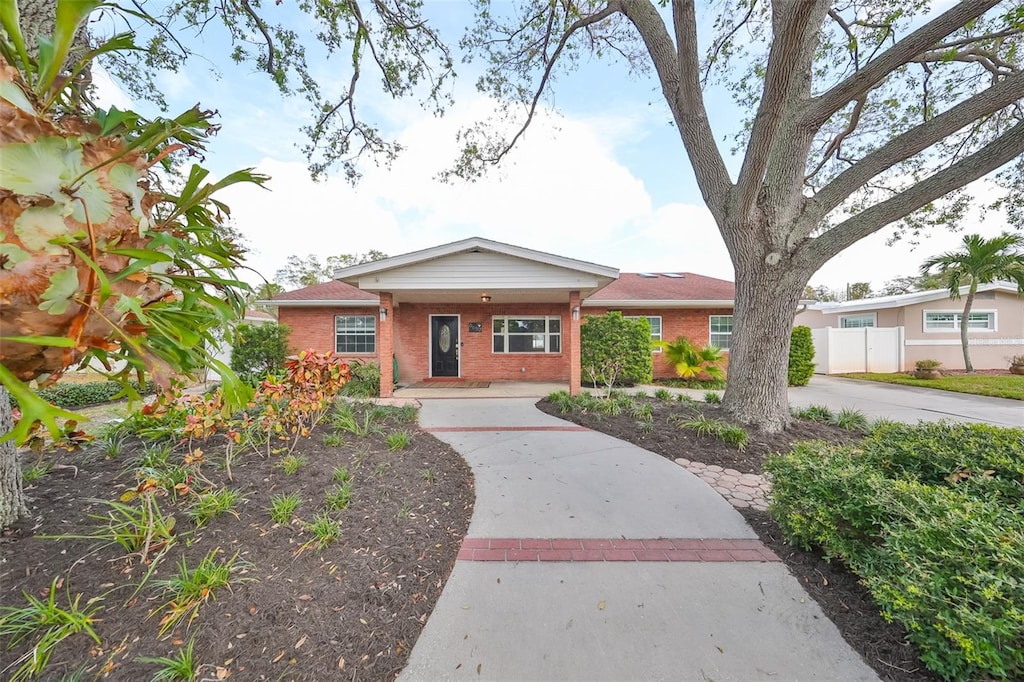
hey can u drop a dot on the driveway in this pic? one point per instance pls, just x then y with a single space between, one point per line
906 403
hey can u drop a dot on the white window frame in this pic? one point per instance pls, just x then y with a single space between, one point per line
548 334
348 332
872 316
712 333
654 337
992 314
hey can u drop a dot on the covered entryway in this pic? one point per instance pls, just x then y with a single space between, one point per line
444 345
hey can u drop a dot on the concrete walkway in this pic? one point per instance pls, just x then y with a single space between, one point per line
588 558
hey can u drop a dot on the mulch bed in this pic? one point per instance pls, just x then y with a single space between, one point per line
352 610
838 591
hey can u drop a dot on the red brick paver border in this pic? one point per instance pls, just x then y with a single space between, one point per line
614 549
477 429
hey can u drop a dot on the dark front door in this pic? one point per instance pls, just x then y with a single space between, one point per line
444 346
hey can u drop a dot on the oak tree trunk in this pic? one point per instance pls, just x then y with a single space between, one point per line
12 497
767 295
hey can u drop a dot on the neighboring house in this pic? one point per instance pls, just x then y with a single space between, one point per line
926 325
480 310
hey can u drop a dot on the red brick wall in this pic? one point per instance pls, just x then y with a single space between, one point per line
477 360
314 328
691 323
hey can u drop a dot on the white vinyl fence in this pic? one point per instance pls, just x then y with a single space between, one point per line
864 349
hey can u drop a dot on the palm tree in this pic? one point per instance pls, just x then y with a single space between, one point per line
692 362
981 261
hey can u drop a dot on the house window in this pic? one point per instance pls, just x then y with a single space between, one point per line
355 334
655 322
721 330
540 334
950 321
857 321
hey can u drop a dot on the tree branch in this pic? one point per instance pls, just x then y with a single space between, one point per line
610 9
996 153
713 54
270 68
921 40
837 141
678 68
788 52
912 142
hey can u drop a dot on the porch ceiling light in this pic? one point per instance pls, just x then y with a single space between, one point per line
485 298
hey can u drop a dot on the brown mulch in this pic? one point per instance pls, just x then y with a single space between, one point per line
352 610
837 590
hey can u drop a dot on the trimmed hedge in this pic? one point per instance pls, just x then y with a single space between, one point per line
801 356
611 344
931 517
69 395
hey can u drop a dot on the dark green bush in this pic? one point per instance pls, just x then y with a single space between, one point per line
68 395
801 356
930 517
614 350
364 382
259 349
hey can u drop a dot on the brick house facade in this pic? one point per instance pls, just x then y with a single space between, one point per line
479 310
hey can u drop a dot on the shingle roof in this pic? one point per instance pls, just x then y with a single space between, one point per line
633 286
327 291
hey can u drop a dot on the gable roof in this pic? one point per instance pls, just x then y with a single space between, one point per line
472 244
664 290
901 300
333 293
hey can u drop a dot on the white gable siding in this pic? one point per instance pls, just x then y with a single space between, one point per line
477 270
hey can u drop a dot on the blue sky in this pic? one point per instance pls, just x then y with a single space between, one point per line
603 177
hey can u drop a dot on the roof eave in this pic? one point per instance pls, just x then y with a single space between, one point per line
320 303
658 303
353 272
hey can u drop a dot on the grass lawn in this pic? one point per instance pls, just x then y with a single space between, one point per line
997 386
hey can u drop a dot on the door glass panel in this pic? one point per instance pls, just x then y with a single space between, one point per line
444 339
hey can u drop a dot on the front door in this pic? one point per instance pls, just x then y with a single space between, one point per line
444 345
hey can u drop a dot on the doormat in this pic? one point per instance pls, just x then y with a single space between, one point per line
450 384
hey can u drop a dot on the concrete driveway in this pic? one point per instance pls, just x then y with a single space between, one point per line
906 403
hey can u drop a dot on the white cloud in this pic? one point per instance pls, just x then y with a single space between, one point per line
109 93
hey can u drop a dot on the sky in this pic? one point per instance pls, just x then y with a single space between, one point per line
602 177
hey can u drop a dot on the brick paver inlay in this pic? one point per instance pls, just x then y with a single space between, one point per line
614 549
477 429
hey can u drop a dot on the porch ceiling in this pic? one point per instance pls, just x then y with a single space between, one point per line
467 296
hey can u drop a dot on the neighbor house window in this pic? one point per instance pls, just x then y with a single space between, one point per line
950 321
857 321
355 334
721 330
655 322
539 334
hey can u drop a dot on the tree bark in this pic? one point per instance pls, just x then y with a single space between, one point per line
964 327
768 291
12 496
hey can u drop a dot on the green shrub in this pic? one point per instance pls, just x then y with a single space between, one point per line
68 395
614 349
259 349
929 517
364 382
801 356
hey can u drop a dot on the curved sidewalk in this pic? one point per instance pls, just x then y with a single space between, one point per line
589 558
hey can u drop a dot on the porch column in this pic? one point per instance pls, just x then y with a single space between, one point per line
386 344
575 371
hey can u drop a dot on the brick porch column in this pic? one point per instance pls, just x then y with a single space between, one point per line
575 371
386 346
